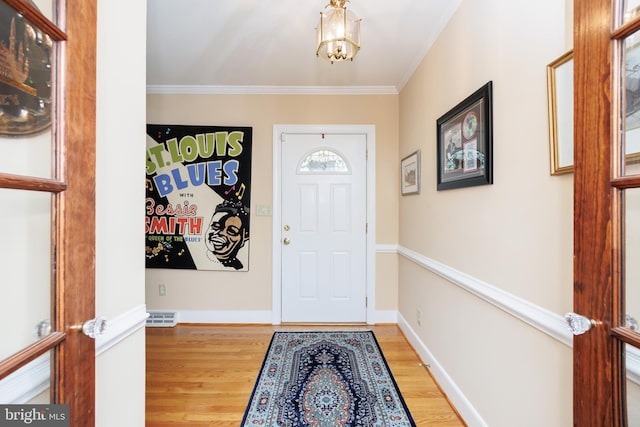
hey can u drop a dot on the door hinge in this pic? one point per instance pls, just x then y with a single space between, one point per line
366 228
366 154
283 137
366 301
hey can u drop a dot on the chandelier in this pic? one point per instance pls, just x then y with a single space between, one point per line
338 35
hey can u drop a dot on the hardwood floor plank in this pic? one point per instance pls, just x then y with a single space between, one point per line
203 375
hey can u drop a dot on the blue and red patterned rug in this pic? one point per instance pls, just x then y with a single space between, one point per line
326 379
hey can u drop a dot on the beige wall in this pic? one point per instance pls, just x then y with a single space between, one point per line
251 291
515 235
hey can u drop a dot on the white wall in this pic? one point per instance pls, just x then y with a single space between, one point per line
511 242
121 118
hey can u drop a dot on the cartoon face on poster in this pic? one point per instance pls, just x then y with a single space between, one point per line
198 197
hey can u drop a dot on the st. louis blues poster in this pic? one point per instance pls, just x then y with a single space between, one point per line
198 197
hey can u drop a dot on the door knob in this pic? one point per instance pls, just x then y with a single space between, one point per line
93 328
286 241
631 323
43 329
579 324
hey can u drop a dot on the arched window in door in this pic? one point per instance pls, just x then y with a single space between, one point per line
324 160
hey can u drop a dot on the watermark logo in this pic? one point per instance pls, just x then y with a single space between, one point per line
34 415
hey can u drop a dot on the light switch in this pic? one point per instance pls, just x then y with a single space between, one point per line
263 210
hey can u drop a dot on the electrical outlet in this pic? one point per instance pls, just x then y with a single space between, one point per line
162 290
419 317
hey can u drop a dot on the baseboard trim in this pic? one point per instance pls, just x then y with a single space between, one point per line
225 316
255 317
386 316
457 398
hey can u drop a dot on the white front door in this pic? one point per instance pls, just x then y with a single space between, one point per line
323 219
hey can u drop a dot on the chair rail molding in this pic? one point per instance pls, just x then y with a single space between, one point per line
540 318
33 379
120 327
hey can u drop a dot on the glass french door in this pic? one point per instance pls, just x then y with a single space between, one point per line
607 212
47 186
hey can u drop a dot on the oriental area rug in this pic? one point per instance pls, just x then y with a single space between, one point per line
326 379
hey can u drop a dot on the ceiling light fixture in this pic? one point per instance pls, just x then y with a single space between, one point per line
338 35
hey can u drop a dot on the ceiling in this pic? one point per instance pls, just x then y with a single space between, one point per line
258 45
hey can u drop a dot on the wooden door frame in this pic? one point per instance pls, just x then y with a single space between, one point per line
598 378
276 278
75 250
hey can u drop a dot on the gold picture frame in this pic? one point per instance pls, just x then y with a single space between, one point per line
560 98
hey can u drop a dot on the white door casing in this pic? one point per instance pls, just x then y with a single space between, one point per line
327 271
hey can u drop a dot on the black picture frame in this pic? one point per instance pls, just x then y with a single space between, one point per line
465 142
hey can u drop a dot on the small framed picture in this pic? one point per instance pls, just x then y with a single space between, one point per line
465 141
410 170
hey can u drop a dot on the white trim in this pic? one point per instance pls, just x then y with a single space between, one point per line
27 382
270 90
546 321
32 379
224 316
633 364
540 318
256 317
385 316
386 249
120 327
276 279
464 407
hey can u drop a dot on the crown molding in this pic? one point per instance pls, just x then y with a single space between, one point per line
269 90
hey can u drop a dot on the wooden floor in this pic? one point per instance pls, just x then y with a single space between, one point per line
202 375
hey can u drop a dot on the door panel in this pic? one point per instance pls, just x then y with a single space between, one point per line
606 216
56 260
596 357
324 220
